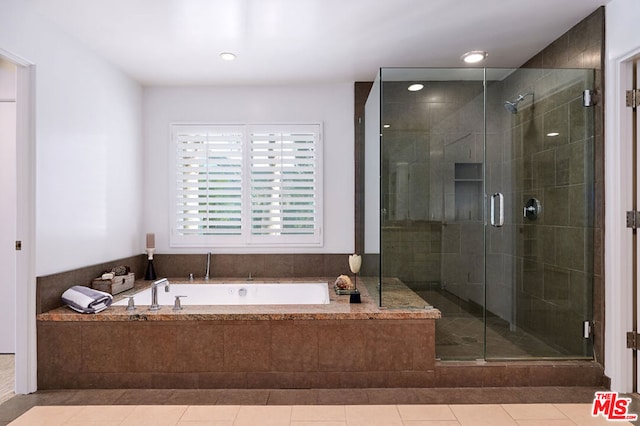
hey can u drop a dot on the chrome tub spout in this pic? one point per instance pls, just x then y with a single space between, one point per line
154 293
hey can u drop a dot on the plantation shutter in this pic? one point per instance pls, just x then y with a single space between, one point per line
285 184
209 182
246 185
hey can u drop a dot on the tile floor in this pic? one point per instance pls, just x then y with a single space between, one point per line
313 415
554 406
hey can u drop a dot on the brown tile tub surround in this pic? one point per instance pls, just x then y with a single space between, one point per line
323 346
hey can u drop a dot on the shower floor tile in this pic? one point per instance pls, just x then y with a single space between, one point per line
460 333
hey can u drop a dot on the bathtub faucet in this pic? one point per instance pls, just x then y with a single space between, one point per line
206 274
154 293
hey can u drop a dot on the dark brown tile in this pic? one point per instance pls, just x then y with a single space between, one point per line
282 265
389 346
205 343
94 397
223 380
343 396
174 380
392 396
243 397
293 397
505 376
154 347
59 354
125 380
145 397
458 376
410 379
196 396
244 346
294 346
105 347
278 380
342 346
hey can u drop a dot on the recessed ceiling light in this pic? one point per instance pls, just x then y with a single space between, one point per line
474 56
386 126
552 134
227 56
415 87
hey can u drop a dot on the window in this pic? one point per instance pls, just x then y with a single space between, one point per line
242 185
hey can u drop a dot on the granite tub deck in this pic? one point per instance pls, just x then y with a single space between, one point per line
337 345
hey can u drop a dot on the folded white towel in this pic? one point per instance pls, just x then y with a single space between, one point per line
86 300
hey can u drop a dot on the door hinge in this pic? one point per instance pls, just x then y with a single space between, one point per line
633 339
633 219
633 98
18 245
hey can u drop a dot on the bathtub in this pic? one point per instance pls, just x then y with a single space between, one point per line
307 293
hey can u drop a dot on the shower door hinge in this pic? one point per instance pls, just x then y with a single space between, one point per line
633 339
633 219
633 98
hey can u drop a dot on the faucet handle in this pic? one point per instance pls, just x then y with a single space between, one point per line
131 305
177 306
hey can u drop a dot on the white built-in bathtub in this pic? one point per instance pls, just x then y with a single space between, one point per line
307 293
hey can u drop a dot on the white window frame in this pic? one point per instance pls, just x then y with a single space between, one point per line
247 238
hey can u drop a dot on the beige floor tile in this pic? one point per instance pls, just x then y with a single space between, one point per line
47 415
100 415
431 423
272 415
195 413
315 413
317 423
479 415
157 415
534 411
370 415
581 414
425 412
206 423
547 422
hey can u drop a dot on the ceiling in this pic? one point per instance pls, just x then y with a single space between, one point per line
178 42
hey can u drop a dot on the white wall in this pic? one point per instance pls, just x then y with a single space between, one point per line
8 195
620 18
330 104
88 146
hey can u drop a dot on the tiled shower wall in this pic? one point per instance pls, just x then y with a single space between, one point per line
552 256
583 47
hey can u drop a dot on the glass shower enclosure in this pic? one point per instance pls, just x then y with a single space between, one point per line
479 200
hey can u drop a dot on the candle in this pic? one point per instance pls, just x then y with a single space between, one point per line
151 241
355 261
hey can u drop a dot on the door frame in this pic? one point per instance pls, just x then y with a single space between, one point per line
618 266
26 351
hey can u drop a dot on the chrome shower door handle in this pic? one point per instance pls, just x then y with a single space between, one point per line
500 221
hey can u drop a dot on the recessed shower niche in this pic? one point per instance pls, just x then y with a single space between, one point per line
468 191
450 170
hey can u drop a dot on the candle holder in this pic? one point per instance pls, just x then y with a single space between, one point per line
355 262
150 273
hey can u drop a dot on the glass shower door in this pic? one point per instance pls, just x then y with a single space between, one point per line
539 260
432 203
485 192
